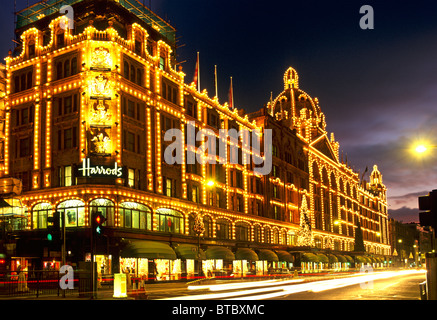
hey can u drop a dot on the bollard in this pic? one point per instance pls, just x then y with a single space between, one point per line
422 288
431 276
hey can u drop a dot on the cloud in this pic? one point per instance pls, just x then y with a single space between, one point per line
406 200
405 215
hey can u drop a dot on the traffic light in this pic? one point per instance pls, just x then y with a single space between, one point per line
428 203
54 227
98 220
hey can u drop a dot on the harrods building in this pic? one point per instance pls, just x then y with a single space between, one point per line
86 106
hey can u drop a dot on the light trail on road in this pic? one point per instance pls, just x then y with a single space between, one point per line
274 289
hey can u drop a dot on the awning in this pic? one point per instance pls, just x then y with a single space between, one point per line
361 259
310 257
341 258
284 256
189 251
332 258
246 254
148 250
322 258
267 255
349 259
220 253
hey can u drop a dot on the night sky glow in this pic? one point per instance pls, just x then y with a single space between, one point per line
377 88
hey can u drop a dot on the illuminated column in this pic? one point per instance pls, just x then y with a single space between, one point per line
119 146
183 165
83 124
149 150
7 137
158 144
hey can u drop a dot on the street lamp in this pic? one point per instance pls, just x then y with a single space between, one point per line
422 148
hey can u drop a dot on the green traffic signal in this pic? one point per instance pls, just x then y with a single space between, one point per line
49 237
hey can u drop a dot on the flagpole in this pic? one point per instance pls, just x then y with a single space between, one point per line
215 79
231 96
198 72
232 93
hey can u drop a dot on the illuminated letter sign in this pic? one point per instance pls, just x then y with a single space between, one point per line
99 171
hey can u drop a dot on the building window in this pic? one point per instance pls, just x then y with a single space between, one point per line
131 141
195 194
223 229
191 219
267 235
66 67
67 105
65 176
74 211
135 216
131 178
169 184
274 150
40 212
257 233
169 92
23 81
161 63
67 138
106 208
170 221
24 147
207 223
242 231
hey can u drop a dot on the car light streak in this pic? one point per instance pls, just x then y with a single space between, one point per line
241 285
271 291
320 286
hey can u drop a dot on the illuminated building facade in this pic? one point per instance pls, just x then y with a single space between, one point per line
339 199
87 108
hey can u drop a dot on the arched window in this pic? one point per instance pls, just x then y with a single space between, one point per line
275 236
191 220
223 229
257 233
333 181
267 235
170 220
135 216
207 222
74 211
106 208
40 212
242 231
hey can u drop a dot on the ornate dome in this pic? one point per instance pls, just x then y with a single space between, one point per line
296 108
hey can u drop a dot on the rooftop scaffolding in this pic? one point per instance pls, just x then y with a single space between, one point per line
48 7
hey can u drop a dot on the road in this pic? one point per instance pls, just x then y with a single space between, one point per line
397 288
394 285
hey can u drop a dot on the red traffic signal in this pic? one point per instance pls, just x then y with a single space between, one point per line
98 220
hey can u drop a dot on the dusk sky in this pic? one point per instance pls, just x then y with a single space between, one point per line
377 88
